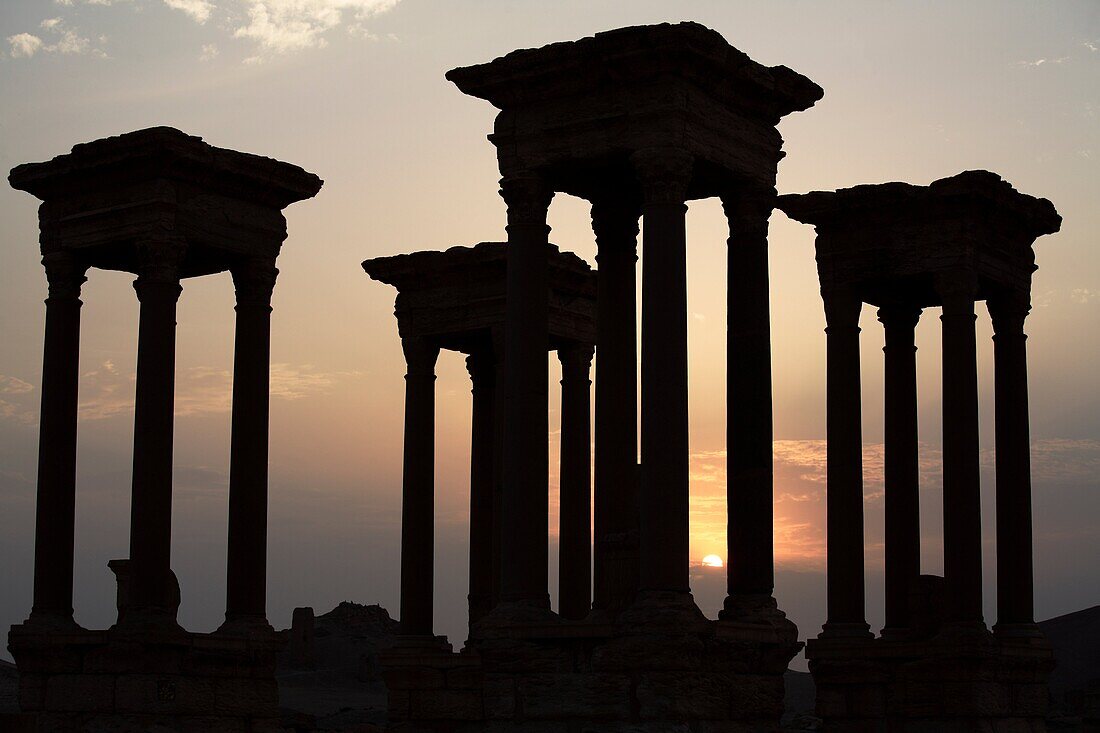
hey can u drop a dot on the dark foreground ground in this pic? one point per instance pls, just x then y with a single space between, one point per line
341 689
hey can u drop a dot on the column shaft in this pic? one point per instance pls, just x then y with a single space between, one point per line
575 497
246 577
153 590
526 429
55 510
844 469
615 224
482 370
749 562
962 517
1015 583
665 488
418 488
902 464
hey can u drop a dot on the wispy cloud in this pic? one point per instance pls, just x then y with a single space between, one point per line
15 396
209 52
198 10
1043 62
283 26
1084 295
1093 46
65 40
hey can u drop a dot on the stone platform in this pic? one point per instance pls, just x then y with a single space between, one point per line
121 681
693 675
950 684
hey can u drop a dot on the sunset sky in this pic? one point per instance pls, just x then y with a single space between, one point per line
353 90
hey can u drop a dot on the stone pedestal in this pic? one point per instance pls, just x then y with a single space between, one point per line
127 682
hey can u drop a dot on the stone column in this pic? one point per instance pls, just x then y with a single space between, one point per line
418 488
615 223
482 370
153 590
55 510
499 401
962 508
246 577
902 464
749 567
1015 602
844 468
526 421
664 175
575 496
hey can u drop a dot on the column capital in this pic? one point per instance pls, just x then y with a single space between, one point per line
65 274
747 208
615 224
158 267
900 315
528 198
1008 313
664 174
420 355
957 291
842 309
481 365
576 360
254 281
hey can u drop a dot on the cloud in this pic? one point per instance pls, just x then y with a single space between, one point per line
1042 62
1084 295
24 45
209 52
285 26
198 10
1092 45
68 41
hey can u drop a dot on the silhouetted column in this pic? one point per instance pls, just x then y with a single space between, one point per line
1015 601
615 224
844 468
575 497
152 592
418 488
55 511
246 582
962 516
664 175
526 423
749 562
902 468
482 370
497 338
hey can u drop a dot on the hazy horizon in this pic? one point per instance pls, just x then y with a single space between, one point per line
353 90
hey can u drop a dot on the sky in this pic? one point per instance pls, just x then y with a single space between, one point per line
353 90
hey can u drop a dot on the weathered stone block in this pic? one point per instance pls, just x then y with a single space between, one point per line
413 678
463 678
578 696
245 697
80 693
499 696
32 691
679 696
446 705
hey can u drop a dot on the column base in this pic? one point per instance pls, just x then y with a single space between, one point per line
52 621
662 611
245 626
1022 632
846 630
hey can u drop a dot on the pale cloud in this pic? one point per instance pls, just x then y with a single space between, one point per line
209 52
1042 62
50 23
15 405
198 10
285 26
1084 295
24 45
1092 45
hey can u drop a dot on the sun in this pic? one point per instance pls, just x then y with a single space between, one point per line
712 561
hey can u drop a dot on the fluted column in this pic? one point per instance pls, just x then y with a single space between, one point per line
482 368
664 175
749 562
962 507
1015 584
575 496
615 223
844 468
246 577
526 421
418 488
902 464
55 510
153 590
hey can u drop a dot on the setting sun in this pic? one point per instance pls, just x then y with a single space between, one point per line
713 561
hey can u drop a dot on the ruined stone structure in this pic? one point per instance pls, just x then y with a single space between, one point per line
456 300
164 206
935 666
637 121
